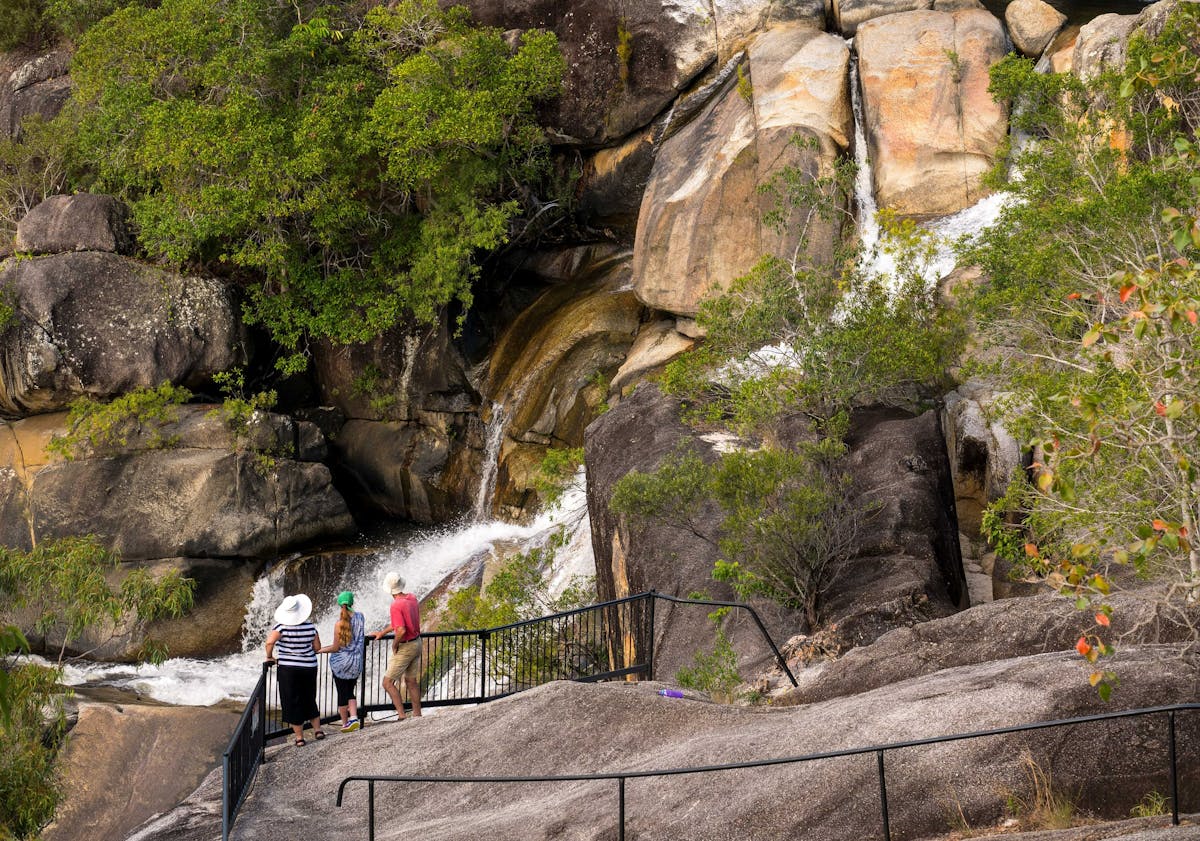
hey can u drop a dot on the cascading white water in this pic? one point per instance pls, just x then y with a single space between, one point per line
424 558
490 463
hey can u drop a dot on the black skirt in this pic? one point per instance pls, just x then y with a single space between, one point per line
298 694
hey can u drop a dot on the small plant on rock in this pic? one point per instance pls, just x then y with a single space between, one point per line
94 425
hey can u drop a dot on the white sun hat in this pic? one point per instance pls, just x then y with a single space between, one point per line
394 583
293 610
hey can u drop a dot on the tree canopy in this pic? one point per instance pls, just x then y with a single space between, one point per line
349 170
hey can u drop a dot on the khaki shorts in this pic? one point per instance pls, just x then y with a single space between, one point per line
405 661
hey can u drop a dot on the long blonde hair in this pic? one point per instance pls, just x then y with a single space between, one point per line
341 631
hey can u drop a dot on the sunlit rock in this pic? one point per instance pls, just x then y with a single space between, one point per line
932 127
1032 24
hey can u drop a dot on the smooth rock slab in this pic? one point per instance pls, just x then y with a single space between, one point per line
1032 24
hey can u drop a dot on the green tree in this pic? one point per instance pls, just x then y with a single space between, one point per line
63 585
356 166
1087 321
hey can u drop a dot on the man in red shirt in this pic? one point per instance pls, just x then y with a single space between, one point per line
405 662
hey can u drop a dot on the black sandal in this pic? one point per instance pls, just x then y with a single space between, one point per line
300 743
320 735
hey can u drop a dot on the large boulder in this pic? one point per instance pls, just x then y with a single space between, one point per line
904 567
708 173
554 729
1101 44
82 222
627 61
159 755
1032 24
848 15
191 488
39 87
932 128
99 325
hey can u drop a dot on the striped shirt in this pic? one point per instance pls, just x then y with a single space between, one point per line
295 646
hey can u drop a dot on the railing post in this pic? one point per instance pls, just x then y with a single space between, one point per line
225 796
266 667
653 597
887 829
483 638
621 808
371 810
362 679
1174 770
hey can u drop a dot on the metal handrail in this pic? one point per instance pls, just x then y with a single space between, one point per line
879 751
640 624
753 613
243 755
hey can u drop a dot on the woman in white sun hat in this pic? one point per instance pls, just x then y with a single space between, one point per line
298 643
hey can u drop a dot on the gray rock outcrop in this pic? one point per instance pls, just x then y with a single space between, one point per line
1101 44
206 494
904 567
626 62
82 222
932 128
39 87
99 325
409 409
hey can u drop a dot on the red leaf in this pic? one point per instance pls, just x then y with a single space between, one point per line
1191 316
1074 296
1082 647
1102 619
1160 408
1031 550
1126 291
1159 525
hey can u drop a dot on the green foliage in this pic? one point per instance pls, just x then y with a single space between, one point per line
1152 805
32 167
96 426
74 17
624 51
557 468
745 87
25 24
371 384
62 584
1088 324
786 525
357 166
238 410
714 673
32 733
527 656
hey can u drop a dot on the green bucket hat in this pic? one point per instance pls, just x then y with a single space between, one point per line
346 597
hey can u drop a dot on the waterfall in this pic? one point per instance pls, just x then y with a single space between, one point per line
490 463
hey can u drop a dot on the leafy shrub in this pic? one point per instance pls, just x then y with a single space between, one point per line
25 23
714 673
95 426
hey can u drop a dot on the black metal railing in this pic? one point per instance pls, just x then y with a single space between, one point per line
604 641
878 751
243 755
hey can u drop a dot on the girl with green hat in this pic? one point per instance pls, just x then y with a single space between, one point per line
346 659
